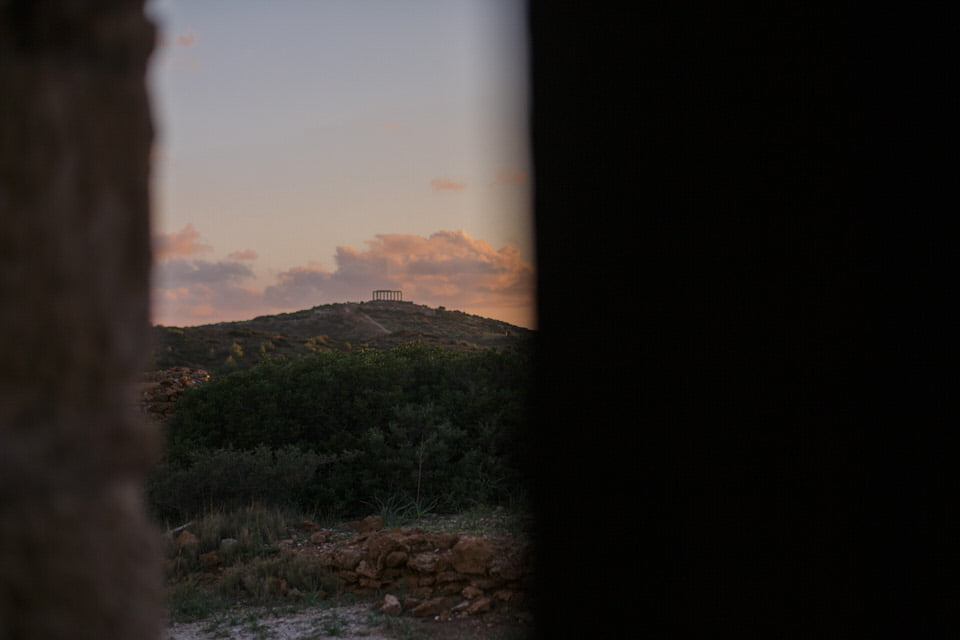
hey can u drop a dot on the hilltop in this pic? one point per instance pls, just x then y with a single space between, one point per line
232 346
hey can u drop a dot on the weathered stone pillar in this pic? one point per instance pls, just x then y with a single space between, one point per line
77 556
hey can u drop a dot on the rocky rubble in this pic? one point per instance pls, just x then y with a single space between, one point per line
160 390
439 574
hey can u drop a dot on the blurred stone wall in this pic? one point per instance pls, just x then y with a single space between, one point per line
78 558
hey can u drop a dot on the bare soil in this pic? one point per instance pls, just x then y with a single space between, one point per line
349 622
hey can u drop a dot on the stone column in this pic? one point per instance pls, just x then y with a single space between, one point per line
78 558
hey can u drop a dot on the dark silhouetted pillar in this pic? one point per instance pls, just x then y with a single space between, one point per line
77 556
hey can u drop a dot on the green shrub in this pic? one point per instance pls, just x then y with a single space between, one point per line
334 432
230 479
256 529
261 578
189 601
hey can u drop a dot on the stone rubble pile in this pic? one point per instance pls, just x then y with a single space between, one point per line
160 390
438 574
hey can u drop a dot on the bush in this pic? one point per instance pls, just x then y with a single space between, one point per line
337 431
230 479
189 601
261 578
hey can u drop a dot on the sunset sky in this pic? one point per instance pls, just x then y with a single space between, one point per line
310 151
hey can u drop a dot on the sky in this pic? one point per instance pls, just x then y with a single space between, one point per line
308 152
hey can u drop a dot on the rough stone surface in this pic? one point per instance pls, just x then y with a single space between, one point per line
430 567
367 525
480 605
160 390
78 557
427 562
395 559
433 607
348 558
471 554
470 592
210 560
507 567
391 605
366 569
186 539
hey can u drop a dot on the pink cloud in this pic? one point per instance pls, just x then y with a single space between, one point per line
509 176
180 46
188 292
446 184
447 268
186 39
178 244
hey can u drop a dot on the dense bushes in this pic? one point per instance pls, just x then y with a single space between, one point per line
231 479
339 432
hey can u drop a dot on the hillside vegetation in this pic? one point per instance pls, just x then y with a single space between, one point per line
347 433
331 414
237 346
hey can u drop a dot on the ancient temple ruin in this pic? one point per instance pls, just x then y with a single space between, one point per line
387 294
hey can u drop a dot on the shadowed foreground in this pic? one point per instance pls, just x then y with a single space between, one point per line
77 556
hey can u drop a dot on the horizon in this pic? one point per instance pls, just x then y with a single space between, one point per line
308 152
342 302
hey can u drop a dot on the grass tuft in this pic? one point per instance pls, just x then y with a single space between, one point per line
189 601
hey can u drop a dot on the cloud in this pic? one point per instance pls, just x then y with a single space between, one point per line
181 40
177 49
246 254
448 268
446 184
188 290
299 287
177 244
195 291
509 176
206 273
186 39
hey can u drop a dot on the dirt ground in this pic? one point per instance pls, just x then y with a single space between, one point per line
349 622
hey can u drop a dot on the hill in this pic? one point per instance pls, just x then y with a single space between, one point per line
230 346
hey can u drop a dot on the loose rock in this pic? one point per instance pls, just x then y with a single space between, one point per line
391 606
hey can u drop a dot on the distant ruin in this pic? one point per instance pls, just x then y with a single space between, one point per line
387 295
